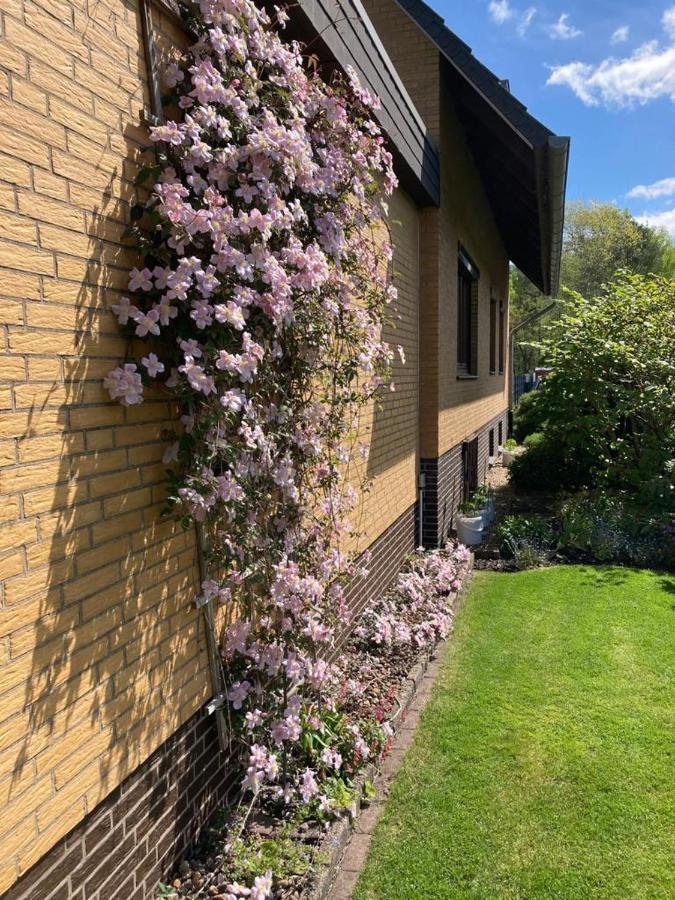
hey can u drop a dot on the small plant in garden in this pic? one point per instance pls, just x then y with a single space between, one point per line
479 500
510 444
529 540
610 529
468 508
481 496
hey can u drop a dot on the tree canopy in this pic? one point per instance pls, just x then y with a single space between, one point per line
599 240
607 411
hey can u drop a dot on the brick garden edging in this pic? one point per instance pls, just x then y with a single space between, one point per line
348 840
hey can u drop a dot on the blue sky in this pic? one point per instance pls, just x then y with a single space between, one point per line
601 71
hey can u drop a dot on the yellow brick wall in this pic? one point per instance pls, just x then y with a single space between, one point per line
101 657
450 410
391 429
414 57
101 654
465 217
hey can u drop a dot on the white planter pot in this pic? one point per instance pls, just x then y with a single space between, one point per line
507 457
470 530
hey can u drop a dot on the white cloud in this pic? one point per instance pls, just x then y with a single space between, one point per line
649 73
669 22
620 36
526 20
500 11
663 188
665 219
562 31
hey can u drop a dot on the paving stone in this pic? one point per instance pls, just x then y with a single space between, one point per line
355 854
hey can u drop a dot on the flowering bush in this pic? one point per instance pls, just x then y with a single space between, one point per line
263 287
416 611
284 846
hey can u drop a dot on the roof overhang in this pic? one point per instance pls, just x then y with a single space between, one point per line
522 164
340 33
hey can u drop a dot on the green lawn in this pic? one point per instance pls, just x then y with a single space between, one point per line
543 767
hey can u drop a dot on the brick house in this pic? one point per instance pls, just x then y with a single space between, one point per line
109 761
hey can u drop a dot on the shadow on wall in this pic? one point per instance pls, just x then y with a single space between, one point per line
117 656
394 424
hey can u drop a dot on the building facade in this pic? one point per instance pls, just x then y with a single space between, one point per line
109 759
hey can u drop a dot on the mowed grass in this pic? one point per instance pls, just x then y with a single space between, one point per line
543 767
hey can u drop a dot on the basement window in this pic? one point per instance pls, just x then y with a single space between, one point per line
467 316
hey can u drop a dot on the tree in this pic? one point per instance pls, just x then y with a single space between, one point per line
526 299
599 240
610 400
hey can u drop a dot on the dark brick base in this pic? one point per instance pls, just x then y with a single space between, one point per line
387 554
125 845
444 481
137 834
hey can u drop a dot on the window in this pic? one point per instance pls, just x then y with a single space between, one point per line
493 335
500 434
469 467
502 336
467 316
491 444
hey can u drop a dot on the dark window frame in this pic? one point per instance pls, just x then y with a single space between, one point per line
468 276
469 467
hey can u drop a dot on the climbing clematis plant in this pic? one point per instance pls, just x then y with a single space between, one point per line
264 288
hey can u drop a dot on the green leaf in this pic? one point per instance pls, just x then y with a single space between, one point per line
146 172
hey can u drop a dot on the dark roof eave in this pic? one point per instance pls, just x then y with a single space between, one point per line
550 153
347 33
558 161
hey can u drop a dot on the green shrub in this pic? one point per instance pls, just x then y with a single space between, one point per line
529 416
607 410
548 466
529 540
535 439
611 529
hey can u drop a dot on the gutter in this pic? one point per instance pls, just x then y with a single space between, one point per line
558 151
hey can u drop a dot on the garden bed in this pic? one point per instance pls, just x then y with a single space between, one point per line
380 677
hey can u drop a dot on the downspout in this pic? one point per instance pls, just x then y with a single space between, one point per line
217 704
533 317
157 114
420 527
